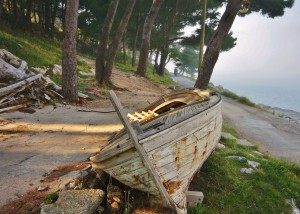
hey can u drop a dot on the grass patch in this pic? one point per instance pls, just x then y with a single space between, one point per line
35 50
230 130
51 198
227 190
232 95
164 80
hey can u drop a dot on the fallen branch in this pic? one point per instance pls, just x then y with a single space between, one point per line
83 110
9 72
10 88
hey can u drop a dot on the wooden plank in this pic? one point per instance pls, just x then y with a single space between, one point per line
159 139
140 149
10 88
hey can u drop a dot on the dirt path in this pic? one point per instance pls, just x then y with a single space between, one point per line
274 135
34 144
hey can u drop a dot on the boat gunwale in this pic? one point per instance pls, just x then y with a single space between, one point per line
143 136
141 141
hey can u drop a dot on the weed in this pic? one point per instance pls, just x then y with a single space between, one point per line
51 198
227 190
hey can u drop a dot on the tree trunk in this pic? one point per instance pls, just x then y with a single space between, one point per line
155 67
144 51
1 6
55 7
202 35
163 58
29 4
213 48
69 62
115 44
124 48
135 40
100 61
47 16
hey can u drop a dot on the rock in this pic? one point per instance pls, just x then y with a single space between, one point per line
228 136
70 180
247 170
220 146
41 70
193 198
258 153
75 201
86 74
115 199
244 142
42 188
220 88
57 69
253 164
295 209
236 157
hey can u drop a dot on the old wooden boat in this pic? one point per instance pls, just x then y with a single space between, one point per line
171 139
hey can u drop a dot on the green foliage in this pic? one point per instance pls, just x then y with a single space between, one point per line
51 198
36 51
164 80
232 95
230 130
227 190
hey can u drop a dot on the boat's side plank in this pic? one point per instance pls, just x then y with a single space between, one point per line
184 158
153 174
184 161
177 131
164 150
181 169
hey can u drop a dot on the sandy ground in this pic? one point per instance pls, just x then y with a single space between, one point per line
273 134
34 144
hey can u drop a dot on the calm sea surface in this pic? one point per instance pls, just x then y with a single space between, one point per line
286 97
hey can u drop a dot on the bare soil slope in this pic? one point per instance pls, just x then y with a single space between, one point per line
31 145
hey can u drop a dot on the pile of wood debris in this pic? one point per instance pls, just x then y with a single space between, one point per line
21 88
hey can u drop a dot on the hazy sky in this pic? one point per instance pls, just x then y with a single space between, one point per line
267 50
265 63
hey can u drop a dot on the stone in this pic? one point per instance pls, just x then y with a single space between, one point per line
194 197
115 199
220 146
236 157
247 170
258 153
228 136
41 70
295 209
75 201
57 69
253 164
86 74
69 181
42 188
244 142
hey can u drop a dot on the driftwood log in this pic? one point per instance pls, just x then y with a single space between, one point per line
10 73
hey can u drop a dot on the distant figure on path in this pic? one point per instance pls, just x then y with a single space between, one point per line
175 71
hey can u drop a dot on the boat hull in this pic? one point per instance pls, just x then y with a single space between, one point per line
176 153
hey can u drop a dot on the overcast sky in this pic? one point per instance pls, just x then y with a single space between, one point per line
267 50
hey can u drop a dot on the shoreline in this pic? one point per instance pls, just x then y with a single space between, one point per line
286 114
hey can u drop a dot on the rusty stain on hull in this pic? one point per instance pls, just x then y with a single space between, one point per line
177 150
172 186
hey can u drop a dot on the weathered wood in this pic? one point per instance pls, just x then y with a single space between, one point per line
10 88
140 149
9 72
175 149
13 108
